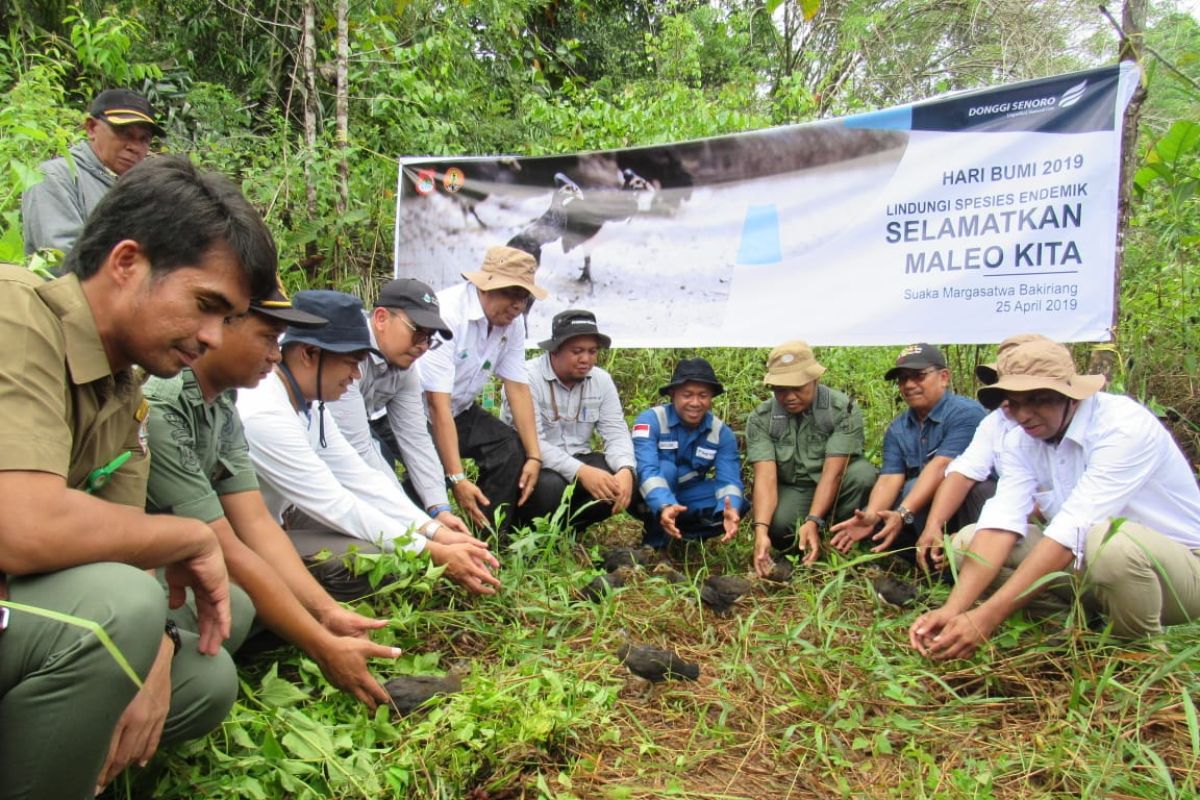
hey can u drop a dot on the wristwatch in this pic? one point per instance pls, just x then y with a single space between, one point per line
457 477
905 515
818 521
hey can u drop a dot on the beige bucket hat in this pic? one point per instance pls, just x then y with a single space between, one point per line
507 266
792 364
1039 365
986 373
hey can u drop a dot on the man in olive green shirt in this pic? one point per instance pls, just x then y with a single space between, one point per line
806 445
201 468
168 256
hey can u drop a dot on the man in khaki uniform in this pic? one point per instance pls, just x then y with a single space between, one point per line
169 255
806 445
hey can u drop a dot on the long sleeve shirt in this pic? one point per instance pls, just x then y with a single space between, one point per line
674 461
568 417
1115 460
462 366
331 484
982 456
396 393
53 211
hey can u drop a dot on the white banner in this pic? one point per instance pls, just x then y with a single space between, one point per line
958 220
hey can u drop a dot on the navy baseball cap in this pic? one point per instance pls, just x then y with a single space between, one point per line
346 331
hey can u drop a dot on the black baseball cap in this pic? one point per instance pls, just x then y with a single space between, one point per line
277 305
418 301
916 356
571 323
124 107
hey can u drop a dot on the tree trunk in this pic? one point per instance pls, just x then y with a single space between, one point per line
308 54
1133 26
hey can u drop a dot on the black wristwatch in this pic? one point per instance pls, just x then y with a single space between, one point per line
905 515
172 630
819 521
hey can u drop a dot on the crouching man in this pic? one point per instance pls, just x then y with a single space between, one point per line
1121 501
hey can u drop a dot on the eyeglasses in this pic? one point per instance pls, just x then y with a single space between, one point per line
915 377
421 336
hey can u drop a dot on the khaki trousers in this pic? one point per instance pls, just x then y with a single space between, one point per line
1140 579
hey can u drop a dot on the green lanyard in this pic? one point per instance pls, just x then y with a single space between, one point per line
98 478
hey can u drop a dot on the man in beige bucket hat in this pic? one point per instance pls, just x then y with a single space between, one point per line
806 445
485 314
1087 459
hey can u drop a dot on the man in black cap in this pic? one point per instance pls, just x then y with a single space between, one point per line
677 445
917 447
201 469
307 468
574 399
120 125
382 414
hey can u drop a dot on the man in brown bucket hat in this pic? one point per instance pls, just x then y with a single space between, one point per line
1121 501
485 315
806 445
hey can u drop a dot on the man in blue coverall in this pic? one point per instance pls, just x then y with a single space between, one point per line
678 445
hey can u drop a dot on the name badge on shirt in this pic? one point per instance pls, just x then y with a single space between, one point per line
668 444
705 452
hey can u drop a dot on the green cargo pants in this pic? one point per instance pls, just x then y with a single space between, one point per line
796 499
61 692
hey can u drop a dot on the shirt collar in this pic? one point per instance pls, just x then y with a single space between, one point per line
472 306
1081 421
86 358
376 360
547 372
935 413
673 419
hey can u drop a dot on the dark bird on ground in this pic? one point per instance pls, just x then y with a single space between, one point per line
893 592
655 664
781 572
603 584
629 557
669 574
603 202
720 592
551 225
408 692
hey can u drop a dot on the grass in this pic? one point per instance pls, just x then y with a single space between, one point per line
807 691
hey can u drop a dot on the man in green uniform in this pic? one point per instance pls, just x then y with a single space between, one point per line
168 256
806 446
201 468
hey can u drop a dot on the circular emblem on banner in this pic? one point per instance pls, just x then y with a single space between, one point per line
425 182
454 179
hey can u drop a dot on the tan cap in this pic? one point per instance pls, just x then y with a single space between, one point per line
792 364
1039 365
986 373
507 266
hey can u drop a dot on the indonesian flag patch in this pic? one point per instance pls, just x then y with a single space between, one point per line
641 430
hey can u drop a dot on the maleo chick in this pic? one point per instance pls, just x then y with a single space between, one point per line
655 664
603 584
408 692
628 557
720 592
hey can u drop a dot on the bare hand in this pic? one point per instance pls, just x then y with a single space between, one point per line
452 522
454 537
624 495
944 635
529 478
667 516
893 523
729 520
467 565
471 499
343 661
343 622
205 574
808 541
136 737
849 532
763 563
930 554
599 483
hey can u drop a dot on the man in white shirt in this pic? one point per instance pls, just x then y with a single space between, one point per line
1121 500
485 314
970 479
384 409
574 399
304 463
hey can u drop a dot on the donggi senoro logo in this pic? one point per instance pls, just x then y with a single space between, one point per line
1071 96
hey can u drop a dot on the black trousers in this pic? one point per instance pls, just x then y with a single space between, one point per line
498 454
548 495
